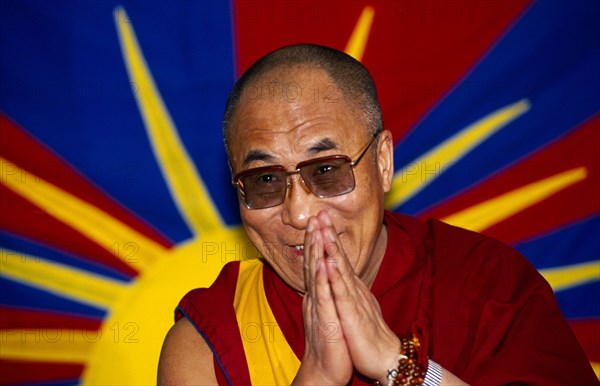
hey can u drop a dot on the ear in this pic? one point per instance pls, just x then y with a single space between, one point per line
385 159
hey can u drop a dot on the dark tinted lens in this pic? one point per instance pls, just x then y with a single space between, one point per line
264 188
329 177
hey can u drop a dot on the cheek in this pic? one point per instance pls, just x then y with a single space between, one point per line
369 185
251 220
364 196
257 224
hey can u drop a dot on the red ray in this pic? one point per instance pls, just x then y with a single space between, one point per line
20 148
417 50
12 318
26 372
588 334
20 373
21 217
581 200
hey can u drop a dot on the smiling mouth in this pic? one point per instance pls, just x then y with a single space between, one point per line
296 250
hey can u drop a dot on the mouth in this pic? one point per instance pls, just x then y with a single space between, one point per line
297 250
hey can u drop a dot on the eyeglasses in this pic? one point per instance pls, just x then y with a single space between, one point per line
330 176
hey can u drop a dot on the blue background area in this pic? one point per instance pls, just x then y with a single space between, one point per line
72 92
573 244
15 294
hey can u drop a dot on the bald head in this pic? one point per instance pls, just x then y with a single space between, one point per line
350 80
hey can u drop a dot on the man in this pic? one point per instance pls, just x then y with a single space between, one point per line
347 292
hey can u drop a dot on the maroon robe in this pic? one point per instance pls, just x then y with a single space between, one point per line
482 311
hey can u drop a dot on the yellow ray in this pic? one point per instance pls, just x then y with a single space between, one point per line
419 173
92 222
48 345
186 186
358 40
485 214
562 278
61 279
596 368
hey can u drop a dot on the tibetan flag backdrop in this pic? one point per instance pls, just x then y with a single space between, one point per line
115 193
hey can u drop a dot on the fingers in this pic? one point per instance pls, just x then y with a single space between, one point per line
341 274
326 357
336 292
309 257
315 276
333 247
369 340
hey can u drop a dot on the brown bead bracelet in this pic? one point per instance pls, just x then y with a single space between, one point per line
409 372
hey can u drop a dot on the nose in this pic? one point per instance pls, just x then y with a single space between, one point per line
299 204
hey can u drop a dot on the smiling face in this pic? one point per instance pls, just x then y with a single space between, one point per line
291 116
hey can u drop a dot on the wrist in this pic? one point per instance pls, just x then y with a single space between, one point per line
310 373
407 370
386 359
390 373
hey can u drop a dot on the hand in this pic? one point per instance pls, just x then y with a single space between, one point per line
326 357
336 295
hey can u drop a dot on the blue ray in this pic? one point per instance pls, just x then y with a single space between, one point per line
16 294
572 244
28 247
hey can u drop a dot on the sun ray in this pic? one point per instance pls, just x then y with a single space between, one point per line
92 222
488 213
49 345
186 186
596 368
416 175
67 281
360 35
569 276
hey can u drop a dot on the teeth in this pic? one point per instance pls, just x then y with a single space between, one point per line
300 247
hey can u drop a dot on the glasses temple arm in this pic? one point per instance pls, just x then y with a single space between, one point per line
355 162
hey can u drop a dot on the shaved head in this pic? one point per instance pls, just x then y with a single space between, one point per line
348 76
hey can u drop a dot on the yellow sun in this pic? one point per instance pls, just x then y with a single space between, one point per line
138 323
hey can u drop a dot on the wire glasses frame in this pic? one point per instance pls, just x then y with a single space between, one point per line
329 176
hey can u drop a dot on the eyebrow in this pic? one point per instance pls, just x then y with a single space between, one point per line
322 145
260 155
257 155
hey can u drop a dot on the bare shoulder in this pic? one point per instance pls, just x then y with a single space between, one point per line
185 358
